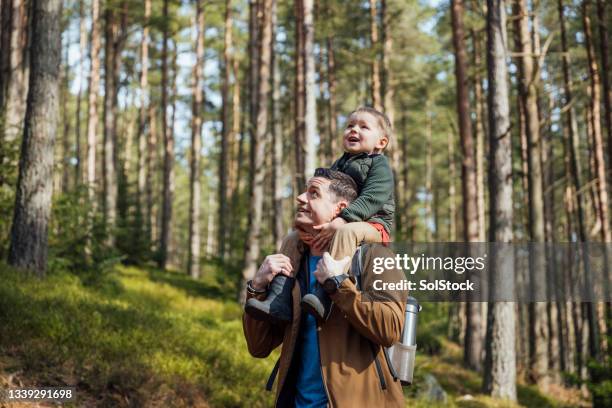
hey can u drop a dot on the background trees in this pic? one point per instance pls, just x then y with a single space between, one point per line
198 138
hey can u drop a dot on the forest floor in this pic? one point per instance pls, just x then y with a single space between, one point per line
140 337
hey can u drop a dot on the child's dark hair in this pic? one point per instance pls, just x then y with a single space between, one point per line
383 120
342 185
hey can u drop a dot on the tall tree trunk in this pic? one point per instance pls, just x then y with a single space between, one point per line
277 139
238 136
16 75
78 170
225 130
428 173
600 165
603 52
166 224
473 336
555 349
65 85
299 95
193 258
142 232
310 104
376 98
150 164
528 78
333 113
576 172
388 106
500 361
109 177
480 136
260 141
29 230
92 114
452 204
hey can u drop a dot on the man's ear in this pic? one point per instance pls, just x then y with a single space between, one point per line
342 204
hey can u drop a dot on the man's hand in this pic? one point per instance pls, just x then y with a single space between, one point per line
326 233
271 266
328 267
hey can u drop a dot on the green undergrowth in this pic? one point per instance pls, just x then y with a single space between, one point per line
141 337
134 337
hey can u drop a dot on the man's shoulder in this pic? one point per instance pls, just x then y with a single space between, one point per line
370 251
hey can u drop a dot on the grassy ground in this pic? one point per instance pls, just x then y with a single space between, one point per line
140 337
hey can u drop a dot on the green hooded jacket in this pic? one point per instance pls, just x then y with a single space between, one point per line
374 178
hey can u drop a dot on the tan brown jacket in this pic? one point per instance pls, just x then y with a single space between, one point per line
359 325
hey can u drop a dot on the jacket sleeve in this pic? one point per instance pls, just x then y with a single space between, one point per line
261 337
377 189
375 314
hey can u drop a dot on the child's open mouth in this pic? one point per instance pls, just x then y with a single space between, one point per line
353 139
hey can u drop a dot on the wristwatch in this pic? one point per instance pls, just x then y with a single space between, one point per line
332 284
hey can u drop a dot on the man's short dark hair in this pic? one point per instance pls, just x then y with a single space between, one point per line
342 185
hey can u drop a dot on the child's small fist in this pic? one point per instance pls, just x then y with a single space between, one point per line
328 267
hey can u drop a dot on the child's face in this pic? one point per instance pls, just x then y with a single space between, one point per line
363 134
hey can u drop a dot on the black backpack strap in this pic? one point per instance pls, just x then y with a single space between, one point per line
270 382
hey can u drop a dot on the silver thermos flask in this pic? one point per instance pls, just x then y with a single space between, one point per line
402 354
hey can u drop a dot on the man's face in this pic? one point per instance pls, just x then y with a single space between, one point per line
317 205
363 134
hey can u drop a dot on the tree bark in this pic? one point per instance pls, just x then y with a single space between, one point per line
452 204
500 361
310 104
571 127
277 139
528 78
225 130
333 110
193 258
168 138
388 106
78 171
603 52
64 95
480 136
299 99
600 166
141 214
16 71
260 141
29 231
376 98
150 164
109 177
473 336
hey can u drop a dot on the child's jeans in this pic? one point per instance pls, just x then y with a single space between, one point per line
344 242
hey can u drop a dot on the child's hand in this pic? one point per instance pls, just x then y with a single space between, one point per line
326 232
305 237
328 267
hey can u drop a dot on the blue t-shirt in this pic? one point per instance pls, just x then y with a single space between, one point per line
310 391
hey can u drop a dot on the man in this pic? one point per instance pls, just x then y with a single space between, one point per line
340 363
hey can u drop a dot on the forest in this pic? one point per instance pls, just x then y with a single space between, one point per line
151 153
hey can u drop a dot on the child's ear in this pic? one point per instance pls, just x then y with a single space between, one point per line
382 143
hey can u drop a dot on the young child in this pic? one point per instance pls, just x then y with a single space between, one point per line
368 218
